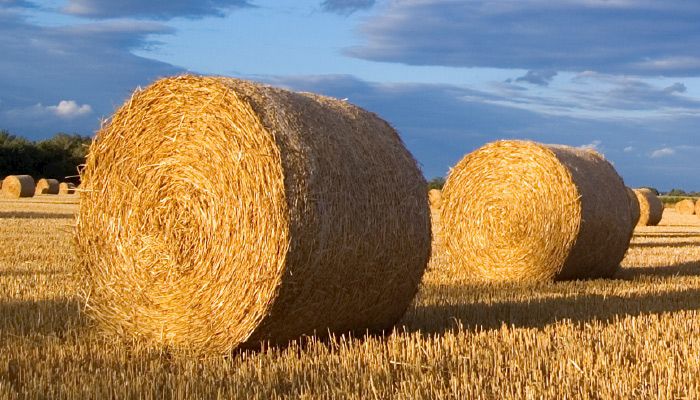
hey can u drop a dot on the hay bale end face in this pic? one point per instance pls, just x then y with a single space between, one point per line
634 207
66 188
47 186
651 208
685 207
219 213
16 186
523 211
435 198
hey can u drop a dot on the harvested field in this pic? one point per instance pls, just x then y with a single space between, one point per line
635 336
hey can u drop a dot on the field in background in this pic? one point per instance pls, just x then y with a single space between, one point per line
672 200
636 336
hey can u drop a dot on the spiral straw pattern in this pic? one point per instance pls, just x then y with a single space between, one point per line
523 211
217 213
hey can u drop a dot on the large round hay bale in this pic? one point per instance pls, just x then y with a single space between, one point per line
650 207
18 186
634 207
523 211
685 207
218 213
47 186
435 198
66 188
697 208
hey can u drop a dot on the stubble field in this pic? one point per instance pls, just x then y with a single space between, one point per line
636 336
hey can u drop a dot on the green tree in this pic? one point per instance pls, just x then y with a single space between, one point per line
436 183
57 157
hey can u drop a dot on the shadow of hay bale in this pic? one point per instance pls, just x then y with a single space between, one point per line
34 215
54 318
579 309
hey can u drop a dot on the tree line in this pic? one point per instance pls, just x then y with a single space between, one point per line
57 157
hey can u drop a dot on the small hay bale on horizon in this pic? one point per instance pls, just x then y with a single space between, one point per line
521 211
16 186
685 207
651 209
46 186
66 188
217 214
435 198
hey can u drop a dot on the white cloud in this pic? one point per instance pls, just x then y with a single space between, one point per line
663 152
65 109
628 149
69 109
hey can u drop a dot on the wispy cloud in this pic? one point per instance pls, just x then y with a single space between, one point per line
155 9
541 78
629 37
346 7
663 152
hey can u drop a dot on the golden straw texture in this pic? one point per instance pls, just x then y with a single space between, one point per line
47 186
435 198
523 211
650 207
217 213
685 207
697 208
66 188
18 186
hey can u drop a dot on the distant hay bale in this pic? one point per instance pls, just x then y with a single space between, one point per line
634 207
685 207
47 186
66 188
217 213
435 198
651 209
16 186
523 211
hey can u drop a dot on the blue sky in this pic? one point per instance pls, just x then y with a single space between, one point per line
621 76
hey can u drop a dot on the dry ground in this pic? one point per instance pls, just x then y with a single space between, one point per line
636 336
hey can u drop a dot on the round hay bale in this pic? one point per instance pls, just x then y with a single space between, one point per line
66 188
47 186
685 207
218 213
435 198
651 209
697 208
634 207
524 211
16 186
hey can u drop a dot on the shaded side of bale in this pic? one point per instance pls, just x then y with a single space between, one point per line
435 198
218 213
523 211
685 207
634 207
16 186
651 209
66 188
47 186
